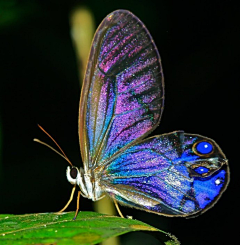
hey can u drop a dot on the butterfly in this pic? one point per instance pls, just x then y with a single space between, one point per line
122 99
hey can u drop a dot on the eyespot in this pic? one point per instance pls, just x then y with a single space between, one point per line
73 173
204 147
201 170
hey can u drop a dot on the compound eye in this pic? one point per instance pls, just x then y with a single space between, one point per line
204 147
73 173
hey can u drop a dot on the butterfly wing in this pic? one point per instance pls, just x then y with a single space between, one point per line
122 95
174 174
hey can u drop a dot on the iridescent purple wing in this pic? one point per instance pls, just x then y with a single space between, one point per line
174 174
122 96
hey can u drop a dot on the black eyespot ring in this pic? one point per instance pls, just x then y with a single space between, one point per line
73 173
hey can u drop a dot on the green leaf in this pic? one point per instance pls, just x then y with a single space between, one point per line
172 242
50 228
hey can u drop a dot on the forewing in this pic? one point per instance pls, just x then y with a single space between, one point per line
168 175
122 95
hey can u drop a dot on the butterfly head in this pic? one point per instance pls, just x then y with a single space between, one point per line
73 175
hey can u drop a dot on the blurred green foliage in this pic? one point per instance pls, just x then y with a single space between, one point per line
15 12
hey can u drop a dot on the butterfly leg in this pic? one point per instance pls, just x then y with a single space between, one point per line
78 198
118 209
69 201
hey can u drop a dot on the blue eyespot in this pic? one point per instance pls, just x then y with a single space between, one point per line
204 147
201 170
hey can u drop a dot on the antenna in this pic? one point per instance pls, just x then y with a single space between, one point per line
62 155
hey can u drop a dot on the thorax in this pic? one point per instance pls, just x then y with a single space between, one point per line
89 184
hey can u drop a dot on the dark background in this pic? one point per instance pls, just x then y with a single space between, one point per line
199 46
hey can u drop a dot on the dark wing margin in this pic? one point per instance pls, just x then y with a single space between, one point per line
123 91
